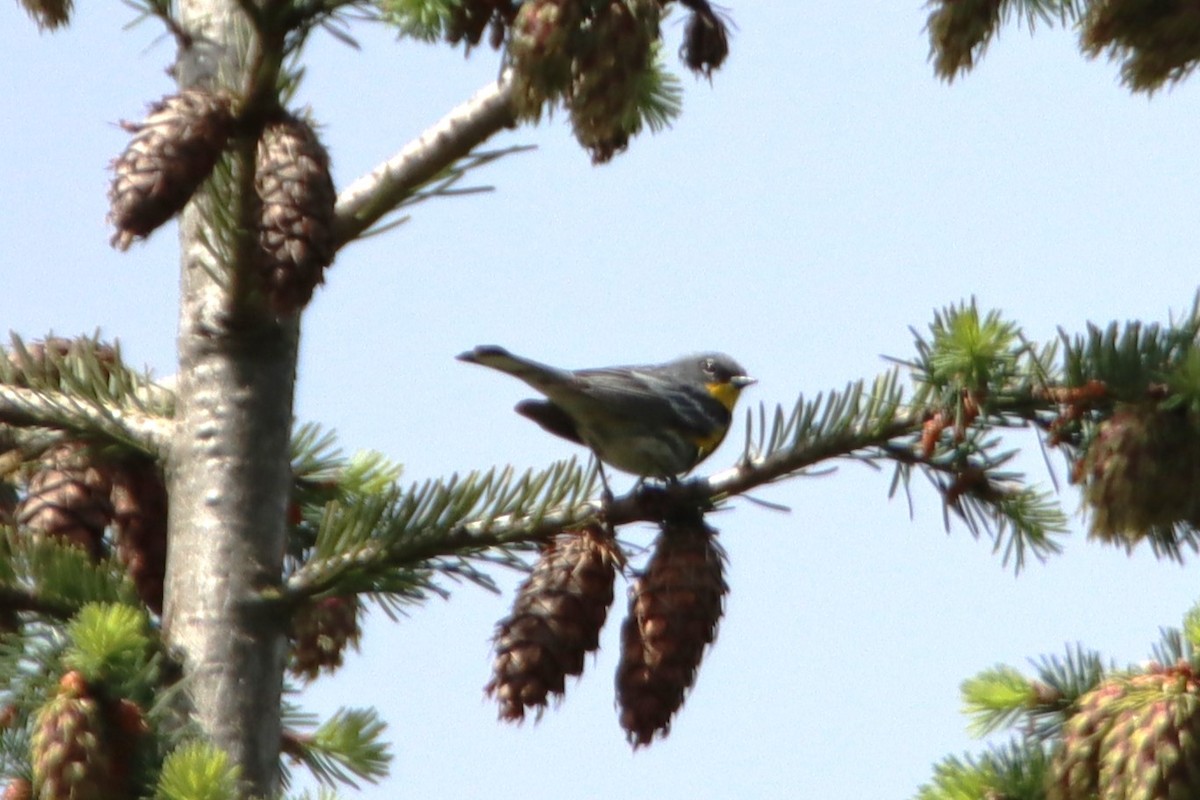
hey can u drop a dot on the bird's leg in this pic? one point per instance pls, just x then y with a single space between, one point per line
606 495
606 501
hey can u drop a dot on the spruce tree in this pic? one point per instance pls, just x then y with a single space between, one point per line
179 554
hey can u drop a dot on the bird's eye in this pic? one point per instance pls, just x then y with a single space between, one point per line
708 365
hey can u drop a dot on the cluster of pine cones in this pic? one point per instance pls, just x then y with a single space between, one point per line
115 505
73 493
595 58
675 605
593 55
177 147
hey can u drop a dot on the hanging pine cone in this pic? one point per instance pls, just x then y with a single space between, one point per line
172 152
18 789
297 198
1132 737
321 632
469 19
539 50
705 39
72 747
674 609
612 56
555 621
49 14
958 31
68 498
1140 473
1155 42
139 503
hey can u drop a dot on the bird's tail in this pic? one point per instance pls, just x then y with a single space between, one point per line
539 376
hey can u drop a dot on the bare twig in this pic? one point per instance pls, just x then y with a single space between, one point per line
372 196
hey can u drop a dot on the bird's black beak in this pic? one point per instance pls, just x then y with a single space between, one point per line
742 381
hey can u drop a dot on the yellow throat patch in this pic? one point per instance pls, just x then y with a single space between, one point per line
725 393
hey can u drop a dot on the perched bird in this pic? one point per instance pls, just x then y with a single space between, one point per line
654 421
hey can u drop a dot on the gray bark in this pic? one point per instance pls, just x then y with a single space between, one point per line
229 472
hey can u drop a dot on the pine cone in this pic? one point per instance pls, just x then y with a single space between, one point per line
18 789
555 621
321 632
71 749
958 30
674 610
612 56
68 498
705 39
539 50
1141 470
469 19
49 14
1132 737
296 224
1155 41
139 501
172 152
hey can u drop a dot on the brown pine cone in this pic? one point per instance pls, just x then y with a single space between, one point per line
1140 472
18 789
958 32
68 498
555 621
705 39
1156 42
49 14
539 50
321 632
611 57
297 197
674 610
172 152
139 503
470 18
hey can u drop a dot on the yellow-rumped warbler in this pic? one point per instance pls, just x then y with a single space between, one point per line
655 421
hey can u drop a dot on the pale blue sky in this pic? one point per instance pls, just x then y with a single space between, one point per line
825 193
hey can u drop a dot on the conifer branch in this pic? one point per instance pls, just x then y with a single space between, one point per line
1018 769
396 544
52 579
975 378
345 747
371 197
35 408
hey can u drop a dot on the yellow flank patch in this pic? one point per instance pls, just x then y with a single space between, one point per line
709 443
725 393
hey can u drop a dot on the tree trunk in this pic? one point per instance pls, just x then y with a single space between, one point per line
229 474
